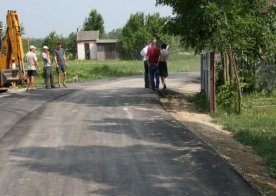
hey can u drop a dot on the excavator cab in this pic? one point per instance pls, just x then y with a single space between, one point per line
12 53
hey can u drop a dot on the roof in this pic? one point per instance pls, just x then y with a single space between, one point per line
106 41
88 35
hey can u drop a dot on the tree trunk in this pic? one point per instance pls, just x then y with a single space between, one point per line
226 77
236 78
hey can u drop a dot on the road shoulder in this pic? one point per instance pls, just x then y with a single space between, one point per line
240 157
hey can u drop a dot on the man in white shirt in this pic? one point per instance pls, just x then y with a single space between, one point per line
48 68
32 63
143 53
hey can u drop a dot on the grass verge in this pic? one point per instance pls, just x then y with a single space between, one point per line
92 70
255 127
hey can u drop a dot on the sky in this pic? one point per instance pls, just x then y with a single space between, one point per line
40 18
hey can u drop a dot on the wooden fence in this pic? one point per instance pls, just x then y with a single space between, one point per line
267 74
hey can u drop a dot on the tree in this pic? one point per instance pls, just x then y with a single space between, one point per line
137 30
22 29
94 22
51 41
71 45
230 27
113 34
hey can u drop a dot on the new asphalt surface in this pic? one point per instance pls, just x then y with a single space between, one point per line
105 137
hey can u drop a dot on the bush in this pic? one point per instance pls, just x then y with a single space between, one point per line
227 96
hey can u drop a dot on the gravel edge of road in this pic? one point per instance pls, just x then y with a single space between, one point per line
222 157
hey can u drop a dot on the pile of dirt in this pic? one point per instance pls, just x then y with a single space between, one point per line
241 157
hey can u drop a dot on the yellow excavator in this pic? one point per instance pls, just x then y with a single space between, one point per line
11 52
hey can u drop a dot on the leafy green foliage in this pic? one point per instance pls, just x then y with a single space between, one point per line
68 43
71 45
132 37
94 22
51 41
113 34
228 27
138 29
226 97
218 24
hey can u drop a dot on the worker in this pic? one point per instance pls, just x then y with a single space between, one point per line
143 53
48 72
60 61
33 67
153 58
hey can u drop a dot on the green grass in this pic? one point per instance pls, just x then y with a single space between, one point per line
183 63
92 70
200 100
256 127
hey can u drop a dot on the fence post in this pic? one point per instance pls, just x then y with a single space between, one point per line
208 77
212 83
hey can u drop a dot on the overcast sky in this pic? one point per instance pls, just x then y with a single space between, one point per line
39 18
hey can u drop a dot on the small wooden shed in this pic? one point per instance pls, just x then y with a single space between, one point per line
86 44
107 49
90 47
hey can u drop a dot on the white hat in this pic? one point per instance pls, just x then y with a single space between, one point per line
45 47
32 47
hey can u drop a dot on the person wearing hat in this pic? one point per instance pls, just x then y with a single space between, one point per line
32 63
48 72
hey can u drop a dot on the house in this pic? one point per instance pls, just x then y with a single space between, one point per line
107 49
86 44
90 47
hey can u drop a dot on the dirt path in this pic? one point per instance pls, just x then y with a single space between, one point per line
242 158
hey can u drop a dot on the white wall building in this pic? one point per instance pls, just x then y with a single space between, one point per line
90 47
86 44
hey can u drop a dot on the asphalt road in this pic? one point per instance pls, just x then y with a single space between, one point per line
106 137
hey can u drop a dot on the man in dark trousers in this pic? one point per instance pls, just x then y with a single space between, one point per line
153 58
146 66
60 61
48 68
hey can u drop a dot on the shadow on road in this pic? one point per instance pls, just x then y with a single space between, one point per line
143 156
163 161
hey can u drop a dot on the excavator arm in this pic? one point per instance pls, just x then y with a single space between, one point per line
11 48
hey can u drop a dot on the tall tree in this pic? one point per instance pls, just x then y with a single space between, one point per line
22 29
71 45
113 34
94 22
51 41
226 26
137 30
